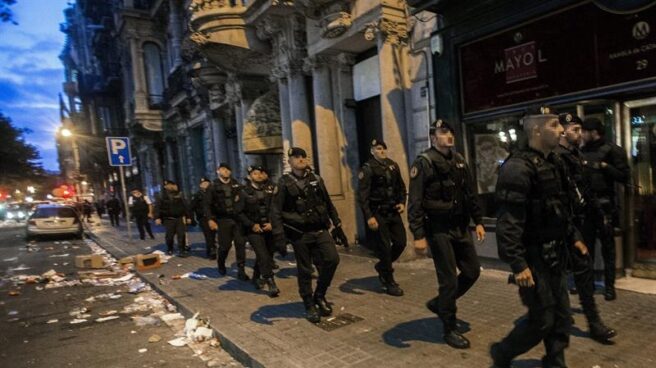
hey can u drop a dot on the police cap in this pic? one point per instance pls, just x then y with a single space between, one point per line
167 182
204 179
593 124
378 142
256 168
224 164
441 125
296 151
567 119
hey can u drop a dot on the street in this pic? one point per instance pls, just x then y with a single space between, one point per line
36 320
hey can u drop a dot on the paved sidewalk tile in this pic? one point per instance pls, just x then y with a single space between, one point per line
394 332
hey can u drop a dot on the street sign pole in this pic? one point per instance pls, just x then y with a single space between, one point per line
125 201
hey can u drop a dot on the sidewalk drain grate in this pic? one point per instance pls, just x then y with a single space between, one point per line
341 320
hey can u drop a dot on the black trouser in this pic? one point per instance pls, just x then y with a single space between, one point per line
548 318
388 241
230 230
210 238
320 247
453 249
175 226
599 224
113 217
263 246
143 225
583 271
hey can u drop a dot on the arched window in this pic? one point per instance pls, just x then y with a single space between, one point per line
154 73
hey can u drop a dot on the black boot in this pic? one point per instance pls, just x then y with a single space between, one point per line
221 258
241 274
311 311
498 360
455 340
324 306
273 288
391 287
601 333
258 283
610 293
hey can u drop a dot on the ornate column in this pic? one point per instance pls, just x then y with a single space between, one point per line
280 76
175 26
328 146
140 95
235 100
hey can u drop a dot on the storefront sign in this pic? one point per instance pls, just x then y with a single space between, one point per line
577 49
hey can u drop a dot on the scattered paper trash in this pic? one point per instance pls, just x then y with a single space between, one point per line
12 313
108 318
202 334
154 338
143 350
52 321
78 320
179 342
145 321
196 276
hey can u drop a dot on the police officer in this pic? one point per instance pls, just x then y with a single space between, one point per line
302 212
114 210
582 201
605 164
172 210
198 206
142 210
441 203
222 212
254 215
534 232
382 196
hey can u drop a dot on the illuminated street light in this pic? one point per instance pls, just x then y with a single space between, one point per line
65 132
84 182
31 189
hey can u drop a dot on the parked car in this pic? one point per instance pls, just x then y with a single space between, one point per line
54 219
18 212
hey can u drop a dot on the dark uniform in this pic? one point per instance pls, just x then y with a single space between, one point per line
534 230
140 209
600 224
173 210
441 203
255 209
198 207
582 200
222 207
114 210
302 212
380 190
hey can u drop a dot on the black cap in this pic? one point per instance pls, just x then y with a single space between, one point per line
567 118
204 179
378 142
224 164
296 151
167 182
593 124
441 125
256 167
135 190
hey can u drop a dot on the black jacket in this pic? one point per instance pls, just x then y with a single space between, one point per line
222 200
616 170
171 205
380 187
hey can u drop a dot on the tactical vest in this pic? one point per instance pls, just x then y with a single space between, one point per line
381 193
258 202
548 212
599 184
139 206
306 199
442 184
172 205
225 197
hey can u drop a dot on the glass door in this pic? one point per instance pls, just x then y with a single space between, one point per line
642 156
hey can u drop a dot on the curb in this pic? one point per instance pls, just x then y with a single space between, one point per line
238 353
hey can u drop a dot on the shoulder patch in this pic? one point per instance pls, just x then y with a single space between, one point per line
275 190
414 171
361 175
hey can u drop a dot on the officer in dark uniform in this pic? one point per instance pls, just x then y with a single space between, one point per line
441 203
382 196
534 234
582 201
254 214
222 211
141 208
198 206
172 210
302 211
114 210
605 164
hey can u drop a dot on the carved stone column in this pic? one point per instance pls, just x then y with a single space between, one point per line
285 120
136 55
175 27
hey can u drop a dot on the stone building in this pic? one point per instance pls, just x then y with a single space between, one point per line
207 81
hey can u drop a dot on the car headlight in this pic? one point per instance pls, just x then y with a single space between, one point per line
10 215
21 214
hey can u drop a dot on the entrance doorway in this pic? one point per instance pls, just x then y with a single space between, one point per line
369 123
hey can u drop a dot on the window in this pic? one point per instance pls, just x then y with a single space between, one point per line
154 73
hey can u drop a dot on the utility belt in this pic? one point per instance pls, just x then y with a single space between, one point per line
553 253
384 208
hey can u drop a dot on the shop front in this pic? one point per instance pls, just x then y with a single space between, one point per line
582 57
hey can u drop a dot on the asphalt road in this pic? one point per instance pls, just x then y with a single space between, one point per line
27 340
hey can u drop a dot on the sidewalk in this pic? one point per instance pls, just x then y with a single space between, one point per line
375 330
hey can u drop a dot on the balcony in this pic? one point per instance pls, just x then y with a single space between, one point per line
221 30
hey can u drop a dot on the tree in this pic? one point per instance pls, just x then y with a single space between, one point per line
6 14
18 159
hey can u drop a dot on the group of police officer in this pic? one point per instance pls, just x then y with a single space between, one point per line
549 193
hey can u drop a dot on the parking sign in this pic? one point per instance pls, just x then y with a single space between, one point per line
118 150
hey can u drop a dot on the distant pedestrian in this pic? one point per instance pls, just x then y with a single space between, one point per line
198 207
87 210
114 210
142 210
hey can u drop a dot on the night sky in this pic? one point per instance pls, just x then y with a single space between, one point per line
31 73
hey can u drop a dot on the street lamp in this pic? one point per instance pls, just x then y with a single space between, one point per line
67 133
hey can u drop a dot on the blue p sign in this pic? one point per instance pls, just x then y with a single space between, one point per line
118 149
